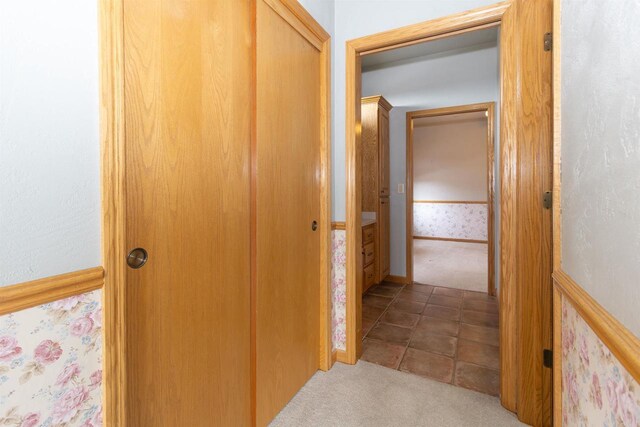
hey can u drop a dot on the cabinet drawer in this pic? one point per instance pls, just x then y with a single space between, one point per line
369 253
369 276
367 234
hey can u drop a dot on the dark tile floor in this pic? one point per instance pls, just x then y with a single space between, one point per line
446 334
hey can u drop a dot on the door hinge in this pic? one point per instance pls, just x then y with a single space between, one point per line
548 42
547 358
547 199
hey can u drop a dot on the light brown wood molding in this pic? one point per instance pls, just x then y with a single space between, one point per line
620 341
296 16
447 111
341 356
458 23
42 291
453 202
377 99
450 239
338 225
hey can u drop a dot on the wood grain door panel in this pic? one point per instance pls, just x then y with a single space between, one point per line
188 131
289 132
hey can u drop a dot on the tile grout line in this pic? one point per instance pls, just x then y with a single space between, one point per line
413 331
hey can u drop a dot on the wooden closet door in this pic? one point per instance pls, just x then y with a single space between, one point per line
188 98
288 143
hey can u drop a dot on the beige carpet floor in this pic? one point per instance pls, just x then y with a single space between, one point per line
375 396
459 265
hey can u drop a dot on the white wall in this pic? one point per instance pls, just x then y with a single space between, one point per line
49 147
358 18
450 161
462 77
601 152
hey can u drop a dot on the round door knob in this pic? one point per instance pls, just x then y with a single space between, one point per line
137 258
314 225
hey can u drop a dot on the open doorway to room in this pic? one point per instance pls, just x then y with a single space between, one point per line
523 232
450 194
435 320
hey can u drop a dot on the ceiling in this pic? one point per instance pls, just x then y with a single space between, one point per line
463 41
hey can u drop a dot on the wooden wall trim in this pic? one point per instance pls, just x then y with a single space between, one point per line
457 23
377 99
338 225
36 292
453 202
111 18
296 16
508 159
326 344
353 139
450 239
341 356
620 341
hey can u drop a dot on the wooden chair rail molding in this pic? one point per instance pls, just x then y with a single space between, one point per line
450 239
41 291
622 343
338 225
462 202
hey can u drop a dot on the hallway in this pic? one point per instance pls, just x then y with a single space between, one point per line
373 396
444 334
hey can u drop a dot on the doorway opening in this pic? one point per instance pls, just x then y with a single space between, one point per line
450 197
525 172
423 322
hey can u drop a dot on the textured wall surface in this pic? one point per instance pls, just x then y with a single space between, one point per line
49 148
465 77
601 152
51 364
596 389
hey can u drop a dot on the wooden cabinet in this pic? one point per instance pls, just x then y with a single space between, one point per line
369 273
376 181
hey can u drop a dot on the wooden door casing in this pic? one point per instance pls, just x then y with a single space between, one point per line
384 166
384 231
187 132
525 169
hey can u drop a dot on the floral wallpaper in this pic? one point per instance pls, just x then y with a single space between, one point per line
339 289
596 388
50 364
450 220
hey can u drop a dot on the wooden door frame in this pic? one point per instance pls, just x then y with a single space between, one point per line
525 283
113 193
489 109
